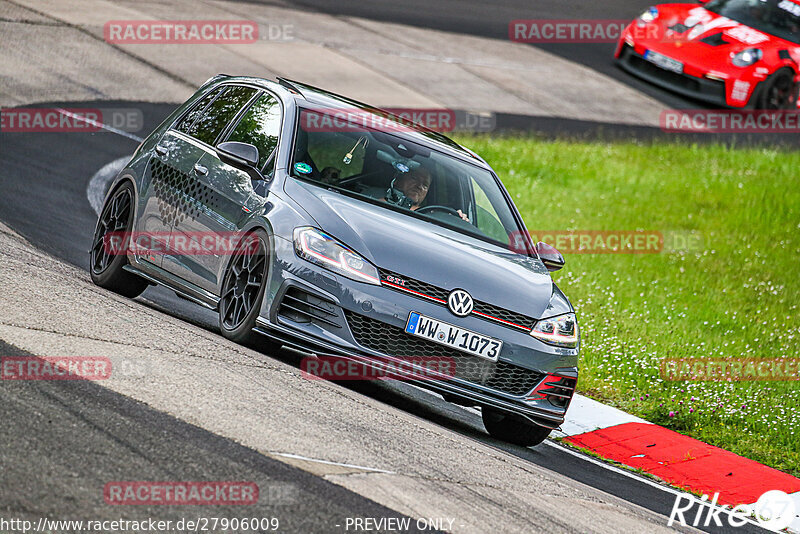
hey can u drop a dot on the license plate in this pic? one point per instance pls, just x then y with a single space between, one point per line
453 336
666 63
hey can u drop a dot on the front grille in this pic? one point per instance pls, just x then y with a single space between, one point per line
392 341
303 307
437 294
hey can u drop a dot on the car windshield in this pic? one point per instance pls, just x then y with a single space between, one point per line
780 18
376 166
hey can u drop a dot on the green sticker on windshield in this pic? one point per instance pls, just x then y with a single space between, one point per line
302 168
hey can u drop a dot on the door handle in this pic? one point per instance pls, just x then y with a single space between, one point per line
162 150
199 169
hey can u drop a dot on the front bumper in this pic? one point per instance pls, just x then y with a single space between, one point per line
317 312
700 88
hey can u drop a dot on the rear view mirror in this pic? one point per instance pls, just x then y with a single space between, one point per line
243 156
551 257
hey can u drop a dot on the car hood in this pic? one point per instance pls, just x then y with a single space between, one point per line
427 252
709 39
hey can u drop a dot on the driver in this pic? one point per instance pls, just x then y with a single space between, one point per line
415 185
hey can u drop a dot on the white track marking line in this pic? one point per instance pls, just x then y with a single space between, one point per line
106 127
98 185
326 462
587 415
552 443
640 478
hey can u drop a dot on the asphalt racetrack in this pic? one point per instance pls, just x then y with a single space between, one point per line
43 183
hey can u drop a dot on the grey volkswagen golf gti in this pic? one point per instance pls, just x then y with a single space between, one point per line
351 233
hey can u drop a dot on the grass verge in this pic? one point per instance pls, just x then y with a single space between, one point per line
733 293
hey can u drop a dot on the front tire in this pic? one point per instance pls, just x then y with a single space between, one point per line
778 91
243 288
108 257
506 427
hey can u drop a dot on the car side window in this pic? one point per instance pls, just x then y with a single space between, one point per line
188 120
260 126
486 218
219 113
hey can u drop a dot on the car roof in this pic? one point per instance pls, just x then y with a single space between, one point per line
306 95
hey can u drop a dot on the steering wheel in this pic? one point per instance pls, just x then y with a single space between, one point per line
446 209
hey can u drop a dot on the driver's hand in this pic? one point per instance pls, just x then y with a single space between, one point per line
463 216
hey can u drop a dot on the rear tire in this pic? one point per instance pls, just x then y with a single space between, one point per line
106 261
516 430
243 288
778 91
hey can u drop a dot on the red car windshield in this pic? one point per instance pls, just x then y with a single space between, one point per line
780 18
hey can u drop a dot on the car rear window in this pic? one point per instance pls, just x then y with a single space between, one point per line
188 120
216 116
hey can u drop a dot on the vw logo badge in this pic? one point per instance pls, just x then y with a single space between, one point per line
460 302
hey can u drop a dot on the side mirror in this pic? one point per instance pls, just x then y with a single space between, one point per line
243 156
551 257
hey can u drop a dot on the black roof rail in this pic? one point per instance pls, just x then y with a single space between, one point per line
289 85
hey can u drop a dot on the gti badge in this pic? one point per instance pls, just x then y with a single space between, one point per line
460 302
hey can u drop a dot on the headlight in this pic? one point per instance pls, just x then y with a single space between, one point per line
650 15
745 58
318 247
561 331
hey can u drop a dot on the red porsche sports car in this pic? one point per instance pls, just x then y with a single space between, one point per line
735 53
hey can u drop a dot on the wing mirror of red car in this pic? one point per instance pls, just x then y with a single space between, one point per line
551 257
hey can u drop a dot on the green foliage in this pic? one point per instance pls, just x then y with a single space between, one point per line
735 294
